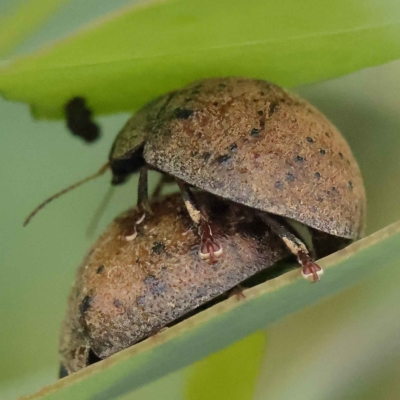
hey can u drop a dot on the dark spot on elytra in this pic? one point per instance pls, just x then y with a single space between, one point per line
85 304
327 134
262 93
156 286
320 199
322 152
255 132
158 247
310 139
182 113
260 112
350 184
340 155
223 159
215 103
233 148
149 279
299 159
279 185
290 177
140 300
117 303
100 269
317 175
333 188
206 156
272 108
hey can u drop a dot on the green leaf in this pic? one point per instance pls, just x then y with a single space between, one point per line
24 20
226 322
122 62
229 374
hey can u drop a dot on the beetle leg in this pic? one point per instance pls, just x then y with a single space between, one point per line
310 270
142 203
143 191
210 249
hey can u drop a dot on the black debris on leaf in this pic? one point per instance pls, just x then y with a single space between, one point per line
78 117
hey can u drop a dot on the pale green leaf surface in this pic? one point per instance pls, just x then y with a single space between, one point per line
17 24
225 323
129 58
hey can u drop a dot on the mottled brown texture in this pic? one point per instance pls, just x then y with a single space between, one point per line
252 142
126 291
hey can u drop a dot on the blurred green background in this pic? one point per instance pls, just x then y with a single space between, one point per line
347 347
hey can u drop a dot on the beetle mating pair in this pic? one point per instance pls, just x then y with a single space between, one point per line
251 142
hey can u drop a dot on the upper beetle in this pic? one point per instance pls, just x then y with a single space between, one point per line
252 142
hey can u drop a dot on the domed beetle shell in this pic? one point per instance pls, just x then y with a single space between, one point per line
254 143
127 290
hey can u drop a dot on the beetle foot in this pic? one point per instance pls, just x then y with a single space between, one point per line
210 249
132 236
310 270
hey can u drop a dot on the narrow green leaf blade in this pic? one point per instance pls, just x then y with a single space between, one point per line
226 322
131 57
230 373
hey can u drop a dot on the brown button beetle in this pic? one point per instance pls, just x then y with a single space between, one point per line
251 142
254 143
127 290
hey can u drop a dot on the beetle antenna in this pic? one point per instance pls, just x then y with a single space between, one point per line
100 172
99 212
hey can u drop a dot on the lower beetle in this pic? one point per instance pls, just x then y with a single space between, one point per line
127 290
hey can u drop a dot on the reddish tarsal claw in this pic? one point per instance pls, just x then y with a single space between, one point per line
310 270
209 249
